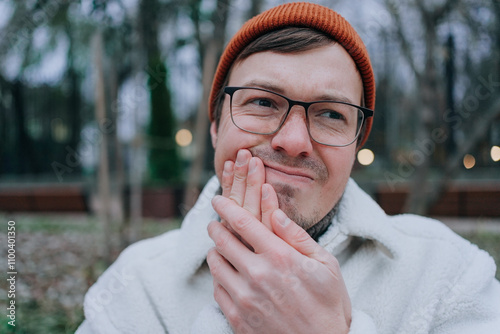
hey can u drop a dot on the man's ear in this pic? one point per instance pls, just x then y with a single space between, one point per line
213 133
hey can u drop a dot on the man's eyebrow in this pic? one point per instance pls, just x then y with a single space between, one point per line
334 97
266 85
277 89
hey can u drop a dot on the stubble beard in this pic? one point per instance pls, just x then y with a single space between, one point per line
287 195
313 223
287 202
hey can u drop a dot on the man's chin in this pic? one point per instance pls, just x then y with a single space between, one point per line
287 200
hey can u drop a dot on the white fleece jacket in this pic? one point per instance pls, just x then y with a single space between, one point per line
404 274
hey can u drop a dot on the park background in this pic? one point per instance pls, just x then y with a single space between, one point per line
104 129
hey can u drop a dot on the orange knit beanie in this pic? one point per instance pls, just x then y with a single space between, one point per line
299 14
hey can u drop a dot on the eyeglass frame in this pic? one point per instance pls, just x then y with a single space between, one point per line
230 90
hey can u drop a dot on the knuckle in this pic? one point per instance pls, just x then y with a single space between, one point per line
243 328
220 240
257 276
233 317
211 256
236 197
281 259
242 221
213 262
239 175
221 243
218 291
255 319
245 300
226 189
211 228
300 236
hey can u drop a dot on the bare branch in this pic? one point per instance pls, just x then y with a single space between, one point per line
442 11
405 45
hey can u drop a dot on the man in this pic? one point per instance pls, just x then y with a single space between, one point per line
291 244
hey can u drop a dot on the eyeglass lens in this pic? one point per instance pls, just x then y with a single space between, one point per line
263 112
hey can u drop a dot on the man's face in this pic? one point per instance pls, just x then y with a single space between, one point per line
308 177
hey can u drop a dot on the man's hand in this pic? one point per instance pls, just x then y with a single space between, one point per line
265 282
244 183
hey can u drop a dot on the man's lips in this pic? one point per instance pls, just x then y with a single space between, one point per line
285 172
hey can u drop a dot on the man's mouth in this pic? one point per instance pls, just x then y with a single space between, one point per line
281 168
286 174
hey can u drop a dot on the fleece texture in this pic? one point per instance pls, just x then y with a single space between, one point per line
404 274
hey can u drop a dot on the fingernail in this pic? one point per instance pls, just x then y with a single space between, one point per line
240 159
252 166
265 191
282 218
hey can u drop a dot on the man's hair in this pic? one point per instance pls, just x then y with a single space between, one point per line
286 40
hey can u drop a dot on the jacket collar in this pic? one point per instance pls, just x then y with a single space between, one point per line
194 242
359 215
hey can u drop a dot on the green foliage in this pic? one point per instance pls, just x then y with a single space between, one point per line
164 162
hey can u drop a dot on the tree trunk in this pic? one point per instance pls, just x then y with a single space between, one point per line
103 171
25 154
119 173
430 98
210 58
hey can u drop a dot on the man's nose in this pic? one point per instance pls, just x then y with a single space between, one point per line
293 137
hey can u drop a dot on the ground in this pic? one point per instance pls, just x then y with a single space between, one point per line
58 259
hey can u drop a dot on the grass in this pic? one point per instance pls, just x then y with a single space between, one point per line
58 259
33 316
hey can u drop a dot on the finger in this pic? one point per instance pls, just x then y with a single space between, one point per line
239 186
227 178
225 302
226 289
224 279
245 224
269 204
221 296
228 245
297 237
255 179
222 271
227 184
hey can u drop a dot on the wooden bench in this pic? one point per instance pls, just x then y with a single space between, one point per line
459 201
46 198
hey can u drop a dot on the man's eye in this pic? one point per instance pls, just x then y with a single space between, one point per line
263 103
331 114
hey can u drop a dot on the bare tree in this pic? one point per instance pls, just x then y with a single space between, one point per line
430 101
209 54
103 172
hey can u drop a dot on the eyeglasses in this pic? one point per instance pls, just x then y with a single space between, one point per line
264 112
